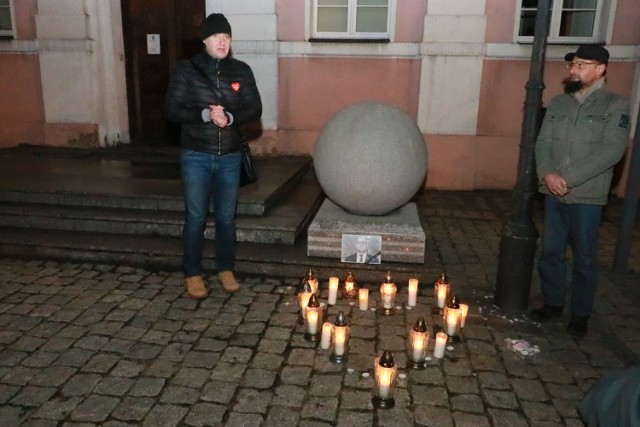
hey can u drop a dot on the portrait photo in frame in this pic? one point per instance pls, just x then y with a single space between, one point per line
361 249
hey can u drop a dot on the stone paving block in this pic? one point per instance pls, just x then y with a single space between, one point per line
459 367
430 395
52 376
73 331
467 403
11 415
27 343
7 392
297 375
57 409
244 340
41 359
127 368
91 342
277 333
483 348
566 407
19 375
165 415
100 363
554 374
504 418
320 408
301 357
200 359
397 416
493 380
531 390
486 363
461 384
133 409
219 392
227 371
537 412
268 361
236 355
430 375
289 396
117 345
94 409
253 401
80 384
33 396
161 368
352 419
57 344
205 414
259 378
113 386
243 420
278 417
272 346
12 357
211 344
519 368
432 416
463 419
144 351
179 395
500 398
75 357
251 327
325 385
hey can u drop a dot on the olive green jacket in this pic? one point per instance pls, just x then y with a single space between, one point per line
582 143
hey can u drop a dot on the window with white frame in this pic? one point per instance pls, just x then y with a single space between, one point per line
353 19
572 21
6 21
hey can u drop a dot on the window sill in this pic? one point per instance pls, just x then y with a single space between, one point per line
353 40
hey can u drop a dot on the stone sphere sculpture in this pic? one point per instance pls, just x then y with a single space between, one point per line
370 158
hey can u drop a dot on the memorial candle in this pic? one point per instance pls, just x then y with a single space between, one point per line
441 342
413 292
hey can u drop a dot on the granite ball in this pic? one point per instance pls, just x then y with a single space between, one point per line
370 158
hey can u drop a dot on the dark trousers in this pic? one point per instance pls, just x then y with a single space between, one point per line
575 225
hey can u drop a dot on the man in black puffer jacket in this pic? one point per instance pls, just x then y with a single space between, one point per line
212 96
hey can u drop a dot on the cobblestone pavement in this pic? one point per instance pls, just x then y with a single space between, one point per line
114 345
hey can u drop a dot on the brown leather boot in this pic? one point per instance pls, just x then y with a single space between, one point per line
195 287
229 282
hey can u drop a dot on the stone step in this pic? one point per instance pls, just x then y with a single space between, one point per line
126 184
282 224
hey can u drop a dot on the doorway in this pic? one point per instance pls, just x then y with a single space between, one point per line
157 34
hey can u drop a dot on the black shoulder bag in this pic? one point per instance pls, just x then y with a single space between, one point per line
248 171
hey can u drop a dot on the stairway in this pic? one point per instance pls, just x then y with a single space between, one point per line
123 205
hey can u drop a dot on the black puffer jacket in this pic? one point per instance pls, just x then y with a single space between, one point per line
189 92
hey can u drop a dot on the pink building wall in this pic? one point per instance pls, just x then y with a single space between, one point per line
21 106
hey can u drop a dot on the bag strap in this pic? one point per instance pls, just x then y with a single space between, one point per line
222 100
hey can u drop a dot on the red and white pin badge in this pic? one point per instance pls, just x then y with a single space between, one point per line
235 86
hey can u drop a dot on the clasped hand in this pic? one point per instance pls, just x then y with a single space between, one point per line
218 116
556 184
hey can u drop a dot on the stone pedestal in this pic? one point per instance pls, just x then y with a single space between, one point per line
403 239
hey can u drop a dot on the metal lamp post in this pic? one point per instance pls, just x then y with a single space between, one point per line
518 240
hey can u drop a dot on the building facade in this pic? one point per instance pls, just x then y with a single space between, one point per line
92 72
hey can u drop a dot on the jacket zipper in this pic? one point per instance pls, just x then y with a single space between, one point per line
218 86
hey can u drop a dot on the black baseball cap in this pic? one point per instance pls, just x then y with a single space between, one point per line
589 51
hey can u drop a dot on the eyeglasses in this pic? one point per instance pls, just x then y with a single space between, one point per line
580 64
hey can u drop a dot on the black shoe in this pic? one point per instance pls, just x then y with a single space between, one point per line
546 312
578 326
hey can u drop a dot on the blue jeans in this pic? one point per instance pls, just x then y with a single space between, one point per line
209 177
577 225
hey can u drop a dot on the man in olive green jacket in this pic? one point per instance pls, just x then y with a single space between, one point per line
584 135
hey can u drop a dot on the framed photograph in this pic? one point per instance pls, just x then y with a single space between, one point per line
361 249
